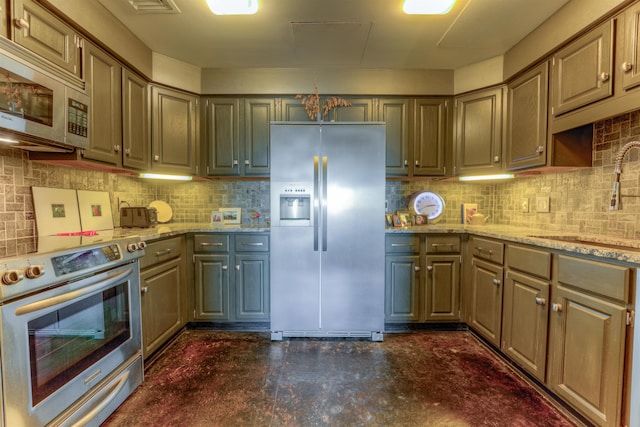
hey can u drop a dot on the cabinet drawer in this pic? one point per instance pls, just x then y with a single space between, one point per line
488 249
402 244
609 280
252 243
529 260
160 251
442 243
211 243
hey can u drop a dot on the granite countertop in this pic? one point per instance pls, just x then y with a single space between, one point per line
612 248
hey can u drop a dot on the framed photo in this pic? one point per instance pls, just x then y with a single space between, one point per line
231 215
420 220
95 210
216 219
388 220
405 218
397 221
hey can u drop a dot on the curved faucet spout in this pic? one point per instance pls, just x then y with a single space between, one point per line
617 170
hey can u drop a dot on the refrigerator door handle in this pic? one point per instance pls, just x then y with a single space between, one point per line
325 162
316 204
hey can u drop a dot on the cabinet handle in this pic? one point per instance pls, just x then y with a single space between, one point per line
394 245
235 162
237 268
417 163
144 290
437 245
225 268
604 76
246 162
540 149
626 66
156 158
417 268
165 252
481 249
116 148
496 159
127 151
252 244
556 307
430 267
406 163
540 301
496 282
21 23
211 244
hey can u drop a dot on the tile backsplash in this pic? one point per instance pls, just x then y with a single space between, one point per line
579 199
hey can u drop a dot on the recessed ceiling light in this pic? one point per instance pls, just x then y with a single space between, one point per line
427 7
233 7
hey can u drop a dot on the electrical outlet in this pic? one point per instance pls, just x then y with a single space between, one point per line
542 204
524 205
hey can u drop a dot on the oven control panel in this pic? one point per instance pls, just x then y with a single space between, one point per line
80 260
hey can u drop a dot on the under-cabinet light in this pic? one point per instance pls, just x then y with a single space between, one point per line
8 140
427 7
169 177
486 177
233 7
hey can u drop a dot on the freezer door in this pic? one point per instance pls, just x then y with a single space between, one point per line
352 266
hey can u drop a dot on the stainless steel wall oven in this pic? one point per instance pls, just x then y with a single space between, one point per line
70 336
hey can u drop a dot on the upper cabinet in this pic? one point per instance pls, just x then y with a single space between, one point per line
630 61
136 134
395 113
33 27
430 136
582 72
527 119
174 131
258 115
479 129
222 136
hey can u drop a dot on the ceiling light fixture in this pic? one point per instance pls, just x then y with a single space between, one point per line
486 177
169 177
233 7
427 7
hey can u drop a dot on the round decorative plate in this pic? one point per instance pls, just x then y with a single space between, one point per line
427 203
165 213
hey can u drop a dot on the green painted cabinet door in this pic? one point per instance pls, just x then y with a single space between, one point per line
526 139
222 136
361 110
429 136
479 132
395 113
103 75
586 355
486 299
212 286
629 65
136 134
525 322
258 115
252 287
442 296
582 72
174 137
292 110
402 301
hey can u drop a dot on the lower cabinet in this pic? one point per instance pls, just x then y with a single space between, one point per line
231 275
422 278
162 284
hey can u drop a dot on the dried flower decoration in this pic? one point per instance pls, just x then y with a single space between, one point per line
312 104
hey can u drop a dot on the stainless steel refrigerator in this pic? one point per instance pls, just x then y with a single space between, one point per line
327 229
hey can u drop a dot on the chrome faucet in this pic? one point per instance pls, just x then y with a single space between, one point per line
617 170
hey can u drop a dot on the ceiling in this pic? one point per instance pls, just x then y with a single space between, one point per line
332 33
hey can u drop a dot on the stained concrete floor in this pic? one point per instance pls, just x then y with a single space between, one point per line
208 378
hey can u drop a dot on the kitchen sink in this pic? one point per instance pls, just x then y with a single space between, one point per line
591 242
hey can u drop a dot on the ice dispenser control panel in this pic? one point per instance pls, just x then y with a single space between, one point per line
293 205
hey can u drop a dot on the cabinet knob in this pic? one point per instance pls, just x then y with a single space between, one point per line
237 268
406 163
496 282
156 158
144 290
417 163
127 151
604 76
556 307
224 267
540 301
626 66
417 268
430 267
21 23
539 149
235 162
246 162
116 148
496 159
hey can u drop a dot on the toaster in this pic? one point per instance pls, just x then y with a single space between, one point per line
138 217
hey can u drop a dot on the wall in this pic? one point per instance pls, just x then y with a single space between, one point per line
578 199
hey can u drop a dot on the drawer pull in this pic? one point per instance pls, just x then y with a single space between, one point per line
165 252
211 244
556 307
540 301
496 282
437 245
481 249
396 245
252 244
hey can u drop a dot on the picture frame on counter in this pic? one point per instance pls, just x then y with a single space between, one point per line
231 215
216 219
388 219
420 220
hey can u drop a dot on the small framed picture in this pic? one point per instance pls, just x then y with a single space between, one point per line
420 220
216 219
397 221
388 220
231 215
405 219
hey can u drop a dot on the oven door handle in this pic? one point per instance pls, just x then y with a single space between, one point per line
109 280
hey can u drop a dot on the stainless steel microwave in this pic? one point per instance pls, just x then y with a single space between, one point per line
38 111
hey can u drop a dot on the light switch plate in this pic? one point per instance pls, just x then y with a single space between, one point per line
542 204
524 204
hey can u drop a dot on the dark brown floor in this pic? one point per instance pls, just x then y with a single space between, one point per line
448 378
